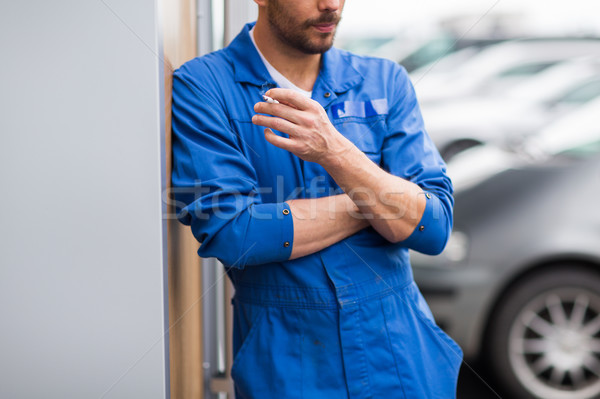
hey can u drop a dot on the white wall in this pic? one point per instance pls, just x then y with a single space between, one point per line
82 276
237 14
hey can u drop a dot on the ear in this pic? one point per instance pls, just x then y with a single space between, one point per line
261 3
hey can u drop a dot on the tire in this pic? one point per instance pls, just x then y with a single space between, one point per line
544 338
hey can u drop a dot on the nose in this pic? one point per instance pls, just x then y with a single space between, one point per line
330 5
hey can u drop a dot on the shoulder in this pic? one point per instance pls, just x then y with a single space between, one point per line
381 77
207 69
207 76
368 65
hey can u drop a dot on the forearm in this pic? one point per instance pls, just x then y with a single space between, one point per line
322 222
395 205
392 205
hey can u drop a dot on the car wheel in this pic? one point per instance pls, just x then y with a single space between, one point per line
544 339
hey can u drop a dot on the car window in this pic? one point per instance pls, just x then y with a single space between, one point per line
429 52
582 93
526 69
591 148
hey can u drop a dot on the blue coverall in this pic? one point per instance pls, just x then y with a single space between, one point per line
347 321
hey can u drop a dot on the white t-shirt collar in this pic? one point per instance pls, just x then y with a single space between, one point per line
281 80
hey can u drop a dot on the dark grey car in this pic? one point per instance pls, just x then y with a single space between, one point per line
519 283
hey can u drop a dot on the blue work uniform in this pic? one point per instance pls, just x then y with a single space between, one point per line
347 321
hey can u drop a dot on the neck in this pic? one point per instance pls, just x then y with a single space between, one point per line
299 68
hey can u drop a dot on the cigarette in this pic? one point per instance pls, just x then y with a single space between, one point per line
270 100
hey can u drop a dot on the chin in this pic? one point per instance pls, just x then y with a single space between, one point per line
321 46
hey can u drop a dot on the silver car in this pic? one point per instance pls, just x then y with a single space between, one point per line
518 285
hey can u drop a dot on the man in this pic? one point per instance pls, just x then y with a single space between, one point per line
312 203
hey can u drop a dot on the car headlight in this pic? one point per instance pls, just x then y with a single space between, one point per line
457 247
456 251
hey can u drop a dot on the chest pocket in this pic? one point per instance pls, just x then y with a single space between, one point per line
363 123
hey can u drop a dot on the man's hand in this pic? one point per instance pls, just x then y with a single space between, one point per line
393 205
312 137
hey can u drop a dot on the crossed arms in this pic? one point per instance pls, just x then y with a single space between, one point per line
410 215
391 205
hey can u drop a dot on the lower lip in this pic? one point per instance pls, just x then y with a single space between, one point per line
325 28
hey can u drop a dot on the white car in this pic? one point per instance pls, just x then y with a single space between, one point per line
517 112
497 67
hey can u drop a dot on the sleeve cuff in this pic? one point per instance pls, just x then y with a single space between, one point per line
432 231
272 228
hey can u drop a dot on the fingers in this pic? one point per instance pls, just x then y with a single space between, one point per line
278 141
279 110
294 110
274 123
290 97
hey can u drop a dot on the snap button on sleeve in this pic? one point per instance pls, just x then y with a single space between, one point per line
286 211
286 244
327 95
421 228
